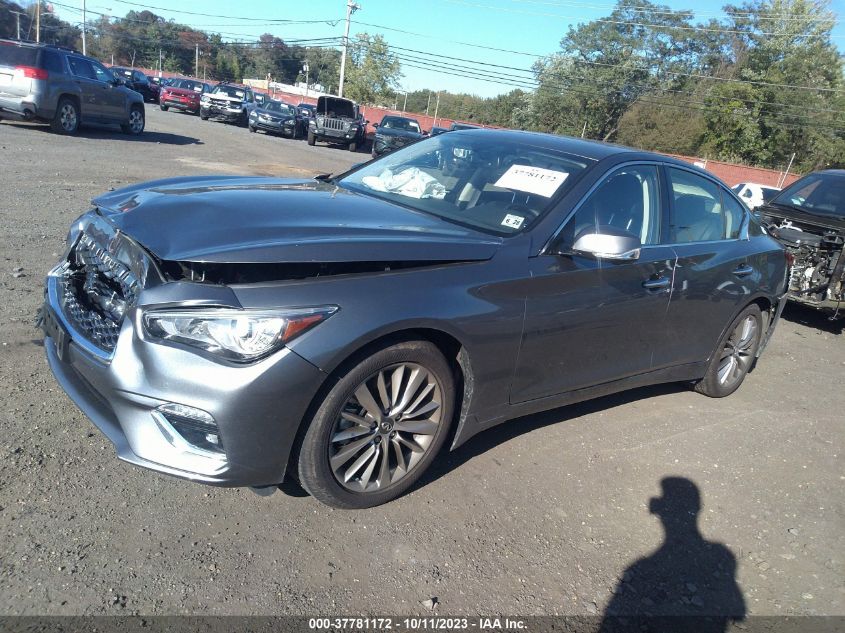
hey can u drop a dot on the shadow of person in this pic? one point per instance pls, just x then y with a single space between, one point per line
688 584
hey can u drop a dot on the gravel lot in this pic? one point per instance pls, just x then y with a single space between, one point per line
540 516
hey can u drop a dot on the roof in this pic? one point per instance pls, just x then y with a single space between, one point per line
594 150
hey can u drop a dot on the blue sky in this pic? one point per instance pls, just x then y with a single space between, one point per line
534 27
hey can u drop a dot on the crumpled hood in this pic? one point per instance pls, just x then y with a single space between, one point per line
260 220
836 222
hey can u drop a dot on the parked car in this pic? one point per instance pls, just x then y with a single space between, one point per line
182 94
394 132
808 218
438 130
307 110
337 121
228 102
137 81
277 117
59 86
754 195
463 126
238 330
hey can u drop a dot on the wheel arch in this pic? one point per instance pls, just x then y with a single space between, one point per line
766 306
453 350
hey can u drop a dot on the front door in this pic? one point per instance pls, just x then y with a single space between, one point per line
590 321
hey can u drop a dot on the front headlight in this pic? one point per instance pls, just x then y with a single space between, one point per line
205 98
238 335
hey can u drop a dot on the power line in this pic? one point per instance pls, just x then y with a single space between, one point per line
606 21
229 17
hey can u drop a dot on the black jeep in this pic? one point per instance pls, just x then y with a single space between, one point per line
339 121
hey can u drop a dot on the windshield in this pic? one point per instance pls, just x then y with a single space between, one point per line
229 91
494 185
187 84
397 123
281 108
769 193
817 194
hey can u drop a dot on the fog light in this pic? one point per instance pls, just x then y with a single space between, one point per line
190 429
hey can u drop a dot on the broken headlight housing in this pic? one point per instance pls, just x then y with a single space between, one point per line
236 335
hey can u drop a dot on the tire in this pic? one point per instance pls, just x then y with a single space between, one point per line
243 120
359 458
734 356
204 117
136 122
312 140
353 146
251 128
163 107
66 119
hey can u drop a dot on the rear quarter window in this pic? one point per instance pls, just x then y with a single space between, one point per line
52 61
12 55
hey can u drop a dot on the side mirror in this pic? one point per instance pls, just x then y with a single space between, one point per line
608 243
375 124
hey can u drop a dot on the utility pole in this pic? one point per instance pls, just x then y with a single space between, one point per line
306 69
84 47
18 15
427 105
436 108
197 61
160 63
584 130
351 8
38 21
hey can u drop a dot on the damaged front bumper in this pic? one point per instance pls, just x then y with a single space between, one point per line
173 409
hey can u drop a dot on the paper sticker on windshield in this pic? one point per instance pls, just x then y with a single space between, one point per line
513 221
543 182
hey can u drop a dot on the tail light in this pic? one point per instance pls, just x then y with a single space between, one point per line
31 72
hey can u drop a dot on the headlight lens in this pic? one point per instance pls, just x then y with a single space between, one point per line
238 335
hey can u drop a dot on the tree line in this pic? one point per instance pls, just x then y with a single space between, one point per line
756 85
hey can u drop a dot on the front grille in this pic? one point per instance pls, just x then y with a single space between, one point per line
222 103
94 293
334 124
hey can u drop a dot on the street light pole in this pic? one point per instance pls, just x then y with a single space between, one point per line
351 8
38 20
18 15
84 47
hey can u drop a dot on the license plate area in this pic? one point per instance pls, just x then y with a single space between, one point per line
54 328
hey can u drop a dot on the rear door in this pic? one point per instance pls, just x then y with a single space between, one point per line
715 274
590 321
101 100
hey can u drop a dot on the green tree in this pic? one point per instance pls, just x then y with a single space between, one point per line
372 71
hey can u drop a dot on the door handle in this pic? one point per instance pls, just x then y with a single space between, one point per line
743 270
656 284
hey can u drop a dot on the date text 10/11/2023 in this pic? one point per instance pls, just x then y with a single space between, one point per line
416 623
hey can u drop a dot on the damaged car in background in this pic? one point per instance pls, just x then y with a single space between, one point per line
236 331
808 218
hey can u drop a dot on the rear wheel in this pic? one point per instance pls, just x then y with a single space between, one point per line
734 355
66 119
379 428
136 122
312 140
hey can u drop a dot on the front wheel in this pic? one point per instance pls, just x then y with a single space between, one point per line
135 125
734 356
163 107
312 140
379 428
252 129
353 146
203 116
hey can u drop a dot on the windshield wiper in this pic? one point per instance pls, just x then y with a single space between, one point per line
325 178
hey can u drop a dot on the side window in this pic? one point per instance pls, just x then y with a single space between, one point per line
734 215
51 61
746 193
628 200
101 73
696 214
81 68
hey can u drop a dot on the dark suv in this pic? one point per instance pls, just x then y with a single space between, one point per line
138 81
337 120
59 86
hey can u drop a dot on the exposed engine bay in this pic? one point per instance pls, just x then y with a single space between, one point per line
816 275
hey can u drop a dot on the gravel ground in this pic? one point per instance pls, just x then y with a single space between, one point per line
543 515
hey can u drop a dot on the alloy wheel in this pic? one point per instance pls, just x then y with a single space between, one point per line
136 122
386 427
68 117
737 355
